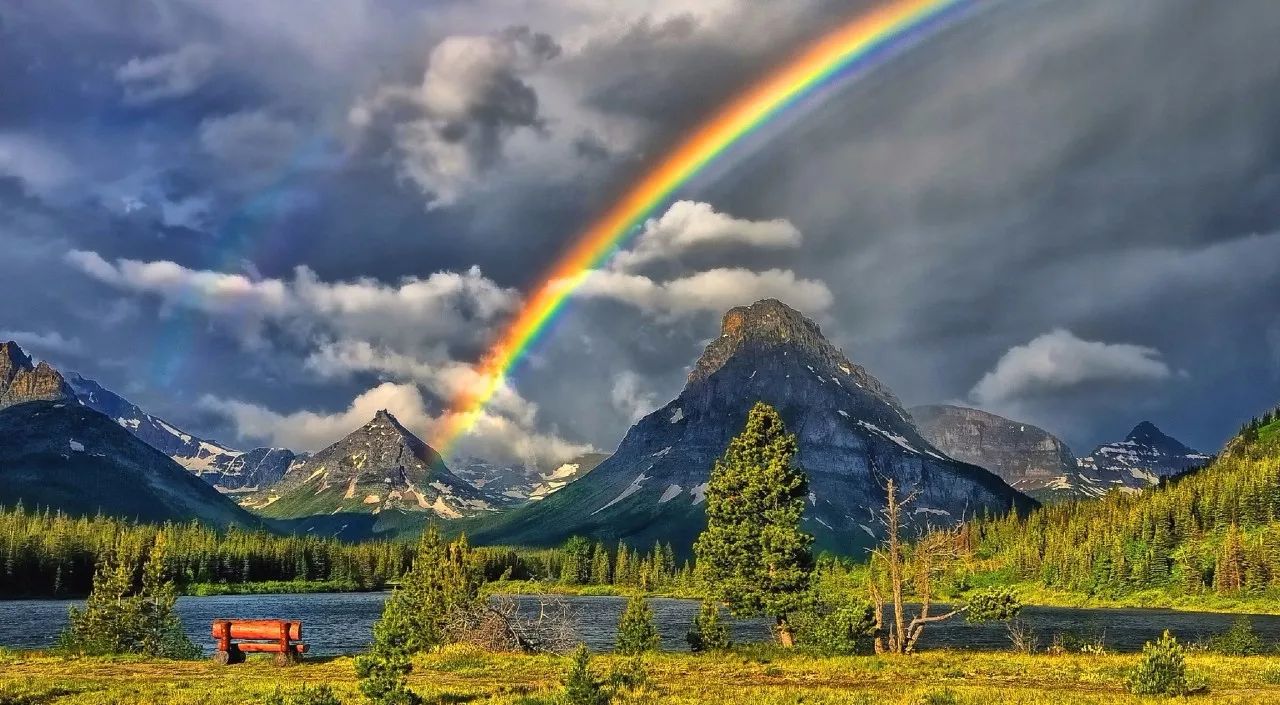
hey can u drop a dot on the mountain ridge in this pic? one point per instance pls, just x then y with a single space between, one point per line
852 433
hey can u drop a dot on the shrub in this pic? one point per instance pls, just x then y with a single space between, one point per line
320 695
629 674
119 619
709 632
945 696
581 686
1239 640
839 629
993 605
636 631
1163 670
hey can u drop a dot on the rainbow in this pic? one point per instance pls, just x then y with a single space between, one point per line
855 45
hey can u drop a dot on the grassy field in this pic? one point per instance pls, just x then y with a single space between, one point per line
757 675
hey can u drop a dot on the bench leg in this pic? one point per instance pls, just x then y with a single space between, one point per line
288 658
222 658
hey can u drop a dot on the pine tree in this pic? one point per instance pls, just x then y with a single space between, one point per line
636 630
708 632
753 556
577 561
600 565
442 579
581 686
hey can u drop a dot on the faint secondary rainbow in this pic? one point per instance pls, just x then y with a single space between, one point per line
873 33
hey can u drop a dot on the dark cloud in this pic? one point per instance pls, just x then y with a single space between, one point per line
1099 167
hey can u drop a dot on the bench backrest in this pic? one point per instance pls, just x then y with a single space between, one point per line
257 629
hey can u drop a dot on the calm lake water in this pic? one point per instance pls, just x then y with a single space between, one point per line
341 623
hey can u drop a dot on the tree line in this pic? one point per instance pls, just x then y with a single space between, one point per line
48 554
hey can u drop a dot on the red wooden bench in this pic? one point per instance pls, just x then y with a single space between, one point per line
272 636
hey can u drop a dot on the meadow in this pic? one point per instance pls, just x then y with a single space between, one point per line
764 675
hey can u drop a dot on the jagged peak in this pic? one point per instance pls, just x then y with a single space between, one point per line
1146 429
765 323
12 356
771 323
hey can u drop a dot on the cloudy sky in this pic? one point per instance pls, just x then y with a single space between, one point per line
264 221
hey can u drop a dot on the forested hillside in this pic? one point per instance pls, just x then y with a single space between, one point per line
1212 531
49 554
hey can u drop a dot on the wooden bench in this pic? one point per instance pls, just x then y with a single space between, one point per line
272 636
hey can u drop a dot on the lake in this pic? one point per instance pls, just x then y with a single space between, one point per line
341 623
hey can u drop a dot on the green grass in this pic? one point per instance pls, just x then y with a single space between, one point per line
272 587
757 676
551 587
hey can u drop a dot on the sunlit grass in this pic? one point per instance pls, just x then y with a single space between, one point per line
763 675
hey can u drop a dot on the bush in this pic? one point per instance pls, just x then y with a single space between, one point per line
636 631
119 619
1239 640
709 632
629 674
839 629
1163 670
993 605
944 696
581 686
320 695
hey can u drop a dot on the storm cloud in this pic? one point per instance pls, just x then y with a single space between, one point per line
287 213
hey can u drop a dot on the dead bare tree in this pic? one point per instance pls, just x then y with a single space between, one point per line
499 625
908 567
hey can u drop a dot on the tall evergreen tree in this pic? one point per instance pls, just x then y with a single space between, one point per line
442 579
753 556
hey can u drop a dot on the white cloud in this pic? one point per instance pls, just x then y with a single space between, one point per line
449 129
715 290
311 431
447 379
166 76
630 396
492 436
443 307
1059 361
690 225
51 343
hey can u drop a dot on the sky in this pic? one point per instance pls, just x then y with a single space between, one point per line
265 221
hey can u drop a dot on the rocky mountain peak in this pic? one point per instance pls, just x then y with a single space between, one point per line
380 466
20 382
12 360
769 324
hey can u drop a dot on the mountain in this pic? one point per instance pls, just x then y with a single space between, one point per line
515 484
1142 459
1029 458
380 466
852 432
227 469
20 381
64 456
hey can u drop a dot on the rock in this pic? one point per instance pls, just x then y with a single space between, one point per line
1027 457
22 382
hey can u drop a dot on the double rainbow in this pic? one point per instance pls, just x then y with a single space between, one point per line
855 45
